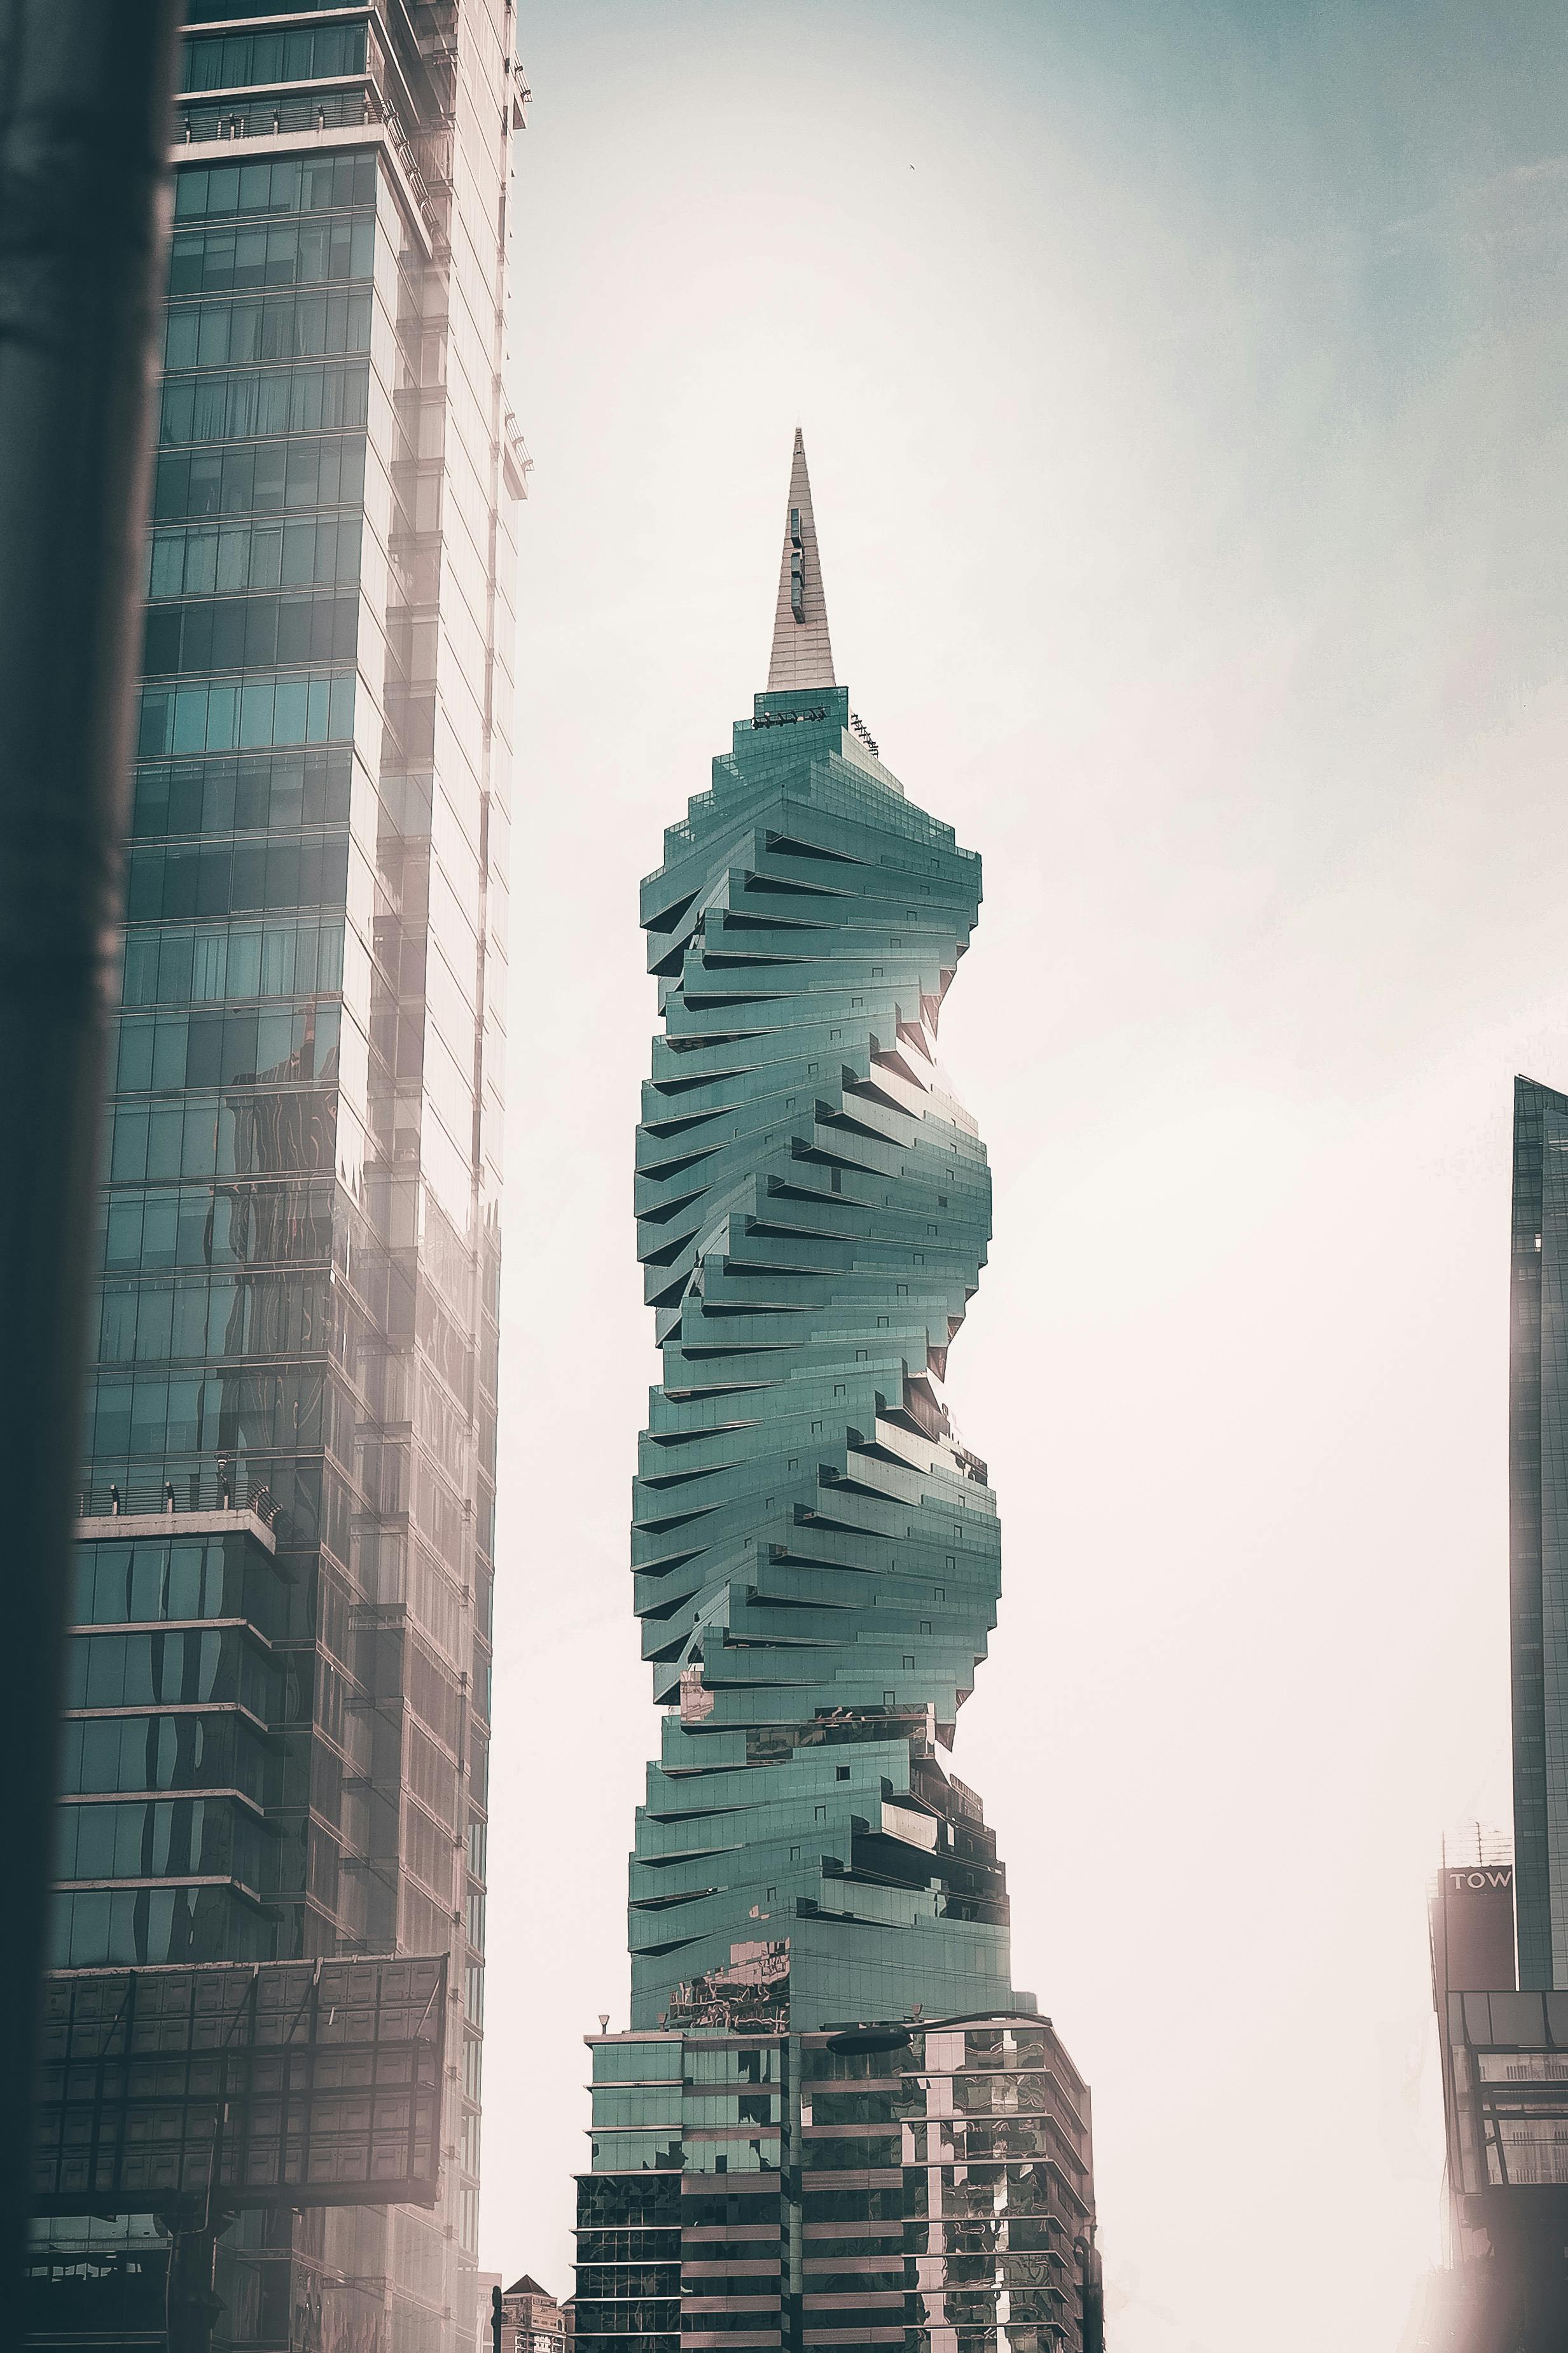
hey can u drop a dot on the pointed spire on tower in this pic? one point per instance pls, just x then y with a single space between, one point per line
803 653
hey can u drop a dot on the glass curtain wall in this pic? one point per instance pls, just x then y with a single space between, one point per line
1538 1518
280 1685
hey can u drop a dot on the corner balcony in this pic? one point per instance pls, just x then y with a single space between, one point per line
270 122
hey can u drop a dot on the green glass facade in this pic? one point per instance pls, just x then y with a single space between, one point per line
279 1689
817 1554
818 1566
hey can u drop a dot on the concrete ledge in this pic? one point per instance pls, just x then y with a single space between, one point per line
104 1526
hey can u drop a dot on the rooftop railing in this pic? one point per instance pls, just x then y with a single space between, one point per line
269 115
211 1488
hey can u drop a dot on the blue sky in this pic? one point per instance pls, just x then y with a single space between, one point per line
1181 385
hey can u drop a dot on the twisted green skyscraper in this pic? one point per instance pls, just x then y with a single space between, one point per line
817 1555
833 2123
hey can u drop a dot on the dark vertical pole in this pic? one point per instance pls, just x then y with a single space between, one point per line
85 88
190 2308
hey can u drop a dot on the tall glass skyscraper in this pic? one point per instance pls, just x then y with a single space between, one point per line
834 2120
1500 1934
1538 1529
279 1689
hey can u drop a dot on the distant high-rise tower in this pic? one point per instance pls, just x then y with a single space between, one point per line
280 1691
831 2090
1538 1529
1503 2026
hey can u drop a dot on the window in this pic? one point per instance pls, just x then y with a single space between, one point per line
261 477
257 632
261 711
225 332
291 183
241 795
237 60
212 878
253 403
305 253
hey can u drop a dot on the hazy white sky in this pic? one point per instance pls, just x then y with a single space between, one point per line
1183 385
